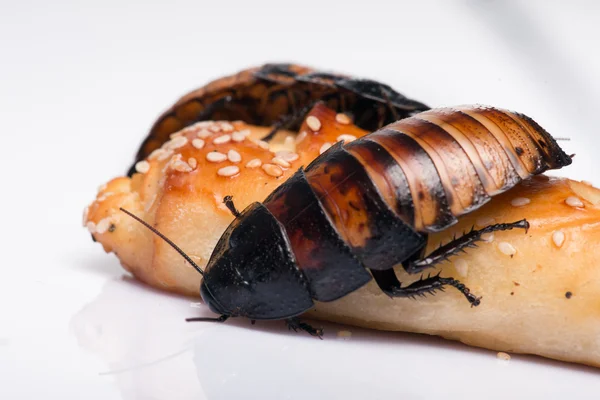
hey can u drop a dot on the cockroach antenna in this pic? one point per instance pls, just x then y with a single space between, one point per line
166 239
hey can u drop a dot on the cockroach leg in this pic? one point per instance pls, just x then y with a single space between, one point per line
295 324
390 285
222 318
393 110
228 201
458 245
221 103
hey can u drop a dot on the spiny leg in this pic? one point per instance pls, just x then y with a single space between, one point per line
228 201
390 285
295 324
288 120
457 245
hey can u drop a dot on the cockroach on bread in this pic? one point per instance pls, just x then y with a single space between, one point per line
364 207
280 95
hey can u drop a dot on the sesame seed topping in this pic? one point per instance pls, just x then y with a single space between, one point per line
574 202
520 201
176 142
272 170
216 157
176 134
461 266
289 142
214 128
507 248
157 153
485 221
234 156
245 132
324 148
198 143
193 163
222 139
281 162
343 119
254 163
313 123
288 156
91 226
142 167
178 164
262 144
230 170
301 136
227 127
103 225
238 137
558 237
204 133
86 212
165 155
346 138
487 237
104 196
503 356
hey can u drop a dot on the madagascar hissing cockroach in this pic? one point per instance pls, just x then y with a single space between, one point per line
364 207
280 95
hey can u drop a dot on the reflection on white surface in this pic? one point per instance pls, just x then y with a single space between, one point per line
151 353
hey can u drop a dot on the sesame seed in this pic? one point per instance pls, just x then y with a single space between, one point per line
485 221
574 202
178 164
344 334
313 123
281 162
193 162
234 156
503 356
507 248
204 133
156 154
558 237
289 142
230 170
216 157
165 155
262 144
245 132
214 128
272 170
142 167
238 137
91 226
301 136
222 139
343 119
254 163
461 266
104 196
86 212
488 237
520 201
227 127
103 225
198 143
288 156
324 148
346 138
176 134
176 143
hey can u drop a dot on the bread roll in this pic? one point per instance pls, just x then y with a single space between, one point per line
540 290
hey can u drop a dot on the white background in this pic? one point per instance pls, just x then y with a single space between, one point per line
80 84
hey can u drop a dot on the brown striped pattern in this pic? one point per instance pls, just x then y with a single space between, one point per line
443 163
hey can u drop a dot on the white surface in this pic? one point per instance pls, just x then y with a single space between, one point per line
80 85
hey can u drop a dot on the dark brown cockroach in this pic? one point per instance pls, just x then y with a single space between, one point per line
362 208
280 95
